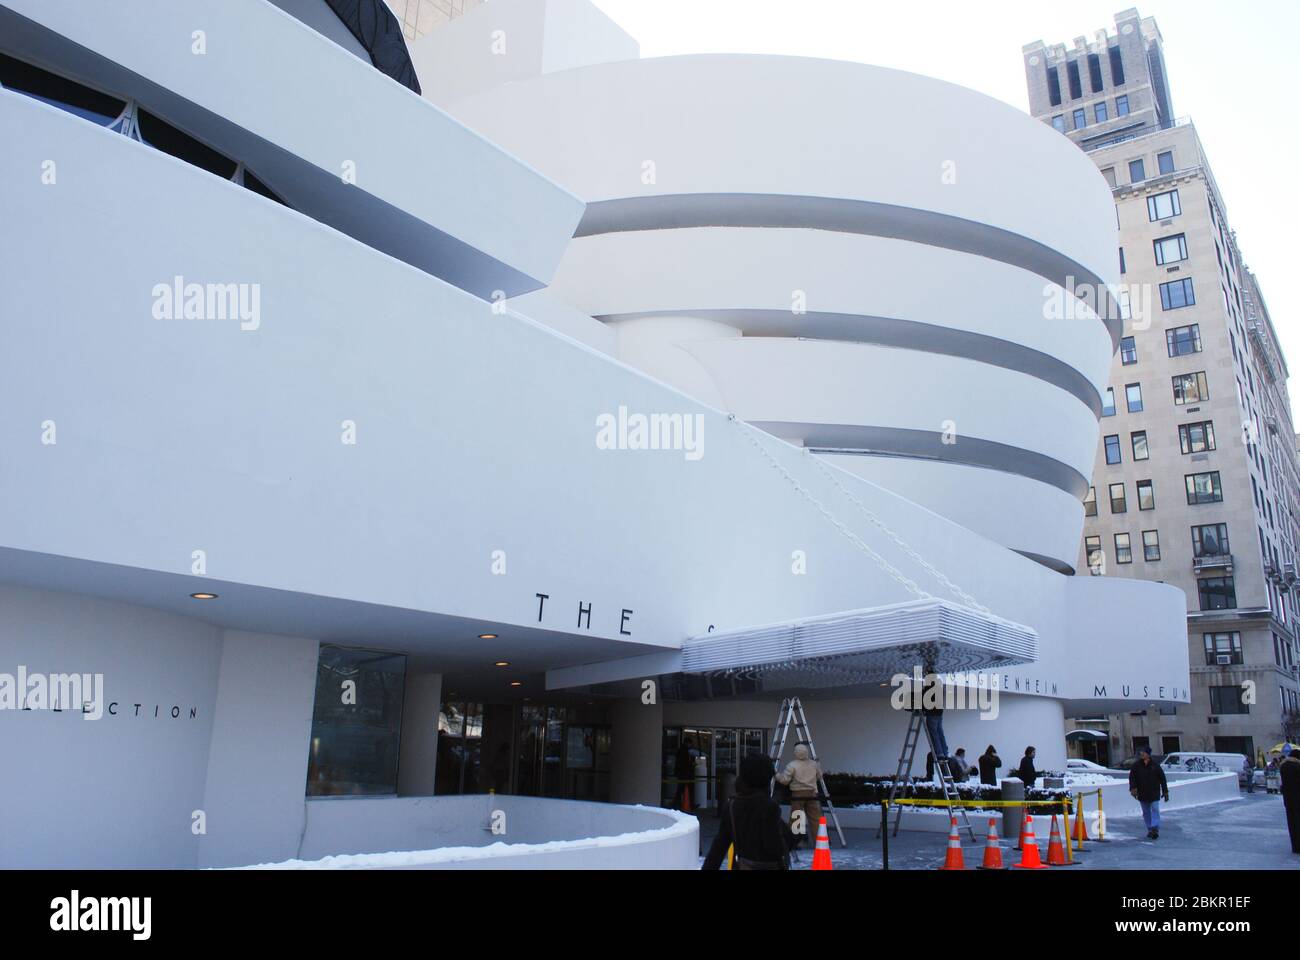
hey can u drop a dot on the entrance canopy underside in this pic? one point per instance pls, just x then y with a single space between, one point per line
862 646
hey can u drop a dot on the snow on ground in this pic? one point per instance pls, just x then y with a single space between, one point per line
683 823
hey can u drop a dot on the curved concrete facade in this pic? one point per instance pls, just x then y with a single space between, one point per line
884 287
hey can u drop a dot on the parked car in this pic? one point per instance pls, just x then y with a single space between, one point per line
1084 766
1128 764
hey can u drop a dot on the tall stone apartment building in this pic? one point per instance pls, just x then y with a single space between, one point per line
1196 480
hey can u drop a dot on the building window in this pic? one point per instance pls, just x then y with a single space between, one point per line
1092 553
1123 265
1118 501
1133 397
1166 161
1090 503
1128 352
1112 450
1210 540
1058 122
1171 249
1094 72
1191 388
1137 171
354 746
1140 449
1108 402
1222 649
1076 86
1116 68
1123 549
1182 341
1204 488
1217 593
1228 700
1177 294
1164 206
1121 106
1080 119
1196 437
1146 494
1099 112
1150 545
1054 86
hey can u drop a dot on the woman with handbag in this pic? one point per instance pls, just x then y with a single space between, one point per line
753 823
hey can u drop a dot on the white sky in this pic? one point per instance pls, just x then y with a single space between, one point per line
1233 68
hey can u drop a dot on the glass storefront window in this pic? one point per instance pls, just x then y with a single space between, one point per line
356 722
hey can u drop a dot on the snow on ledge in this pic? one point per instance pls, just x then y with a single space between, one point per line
682 825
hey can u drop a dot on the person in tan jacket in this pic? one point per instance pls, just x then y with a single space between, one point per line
801 775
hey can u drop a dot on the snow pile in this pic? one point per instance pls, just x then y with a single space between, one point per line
1089 780
683 824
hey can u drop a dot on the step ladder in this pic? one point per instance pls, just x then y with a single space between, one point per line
792 713
903 775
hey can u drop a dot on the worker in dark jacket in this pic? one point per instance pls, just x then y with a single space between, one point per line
1026 771
989 764
1146 781
753 823
1289 771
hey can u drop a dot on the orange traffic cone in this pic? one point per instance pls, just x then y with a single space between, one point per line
686 797
992 849
822 854
1055 849
954 859
1029 859
1081 828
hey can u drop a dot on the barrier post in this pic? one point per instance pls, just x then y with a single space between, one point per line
1065 818
884 833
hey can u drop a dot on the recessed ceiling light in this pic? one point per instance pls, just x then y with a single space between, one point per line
501 663
487 636
516 683
203 596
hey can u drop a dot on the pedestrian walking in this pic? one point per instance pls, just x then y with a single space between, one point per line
752 823
989 764
1289 771
1248 771
1146 782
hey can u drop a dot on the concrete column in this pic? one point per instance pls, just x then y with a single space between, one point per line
418 752
637 755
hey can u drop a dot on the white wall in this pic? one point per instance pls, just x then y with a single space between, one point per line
118 791
418 758
257 763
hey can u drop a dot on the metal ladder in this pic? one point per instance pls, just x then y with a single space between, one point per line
904 773
792 712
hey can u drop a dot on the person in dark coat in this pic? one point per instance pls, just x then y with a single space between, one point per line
753 823
1146 782
1289 771
989 764
1026 771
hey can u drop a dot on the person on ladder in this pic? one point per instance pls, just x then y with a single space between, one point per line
801 775
932 711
